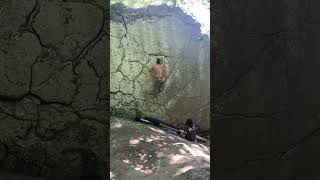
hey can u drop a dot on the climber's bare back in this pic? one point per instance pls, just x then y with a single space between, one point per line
157 70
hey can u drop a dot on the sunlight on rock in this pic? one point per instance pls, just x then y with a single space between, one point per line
195 152
145 170
157 130
134 141
126 161
112 176
159 154
177 159
116 125
170 137
182 151
154 138
195 146
200 147
183 170
138 167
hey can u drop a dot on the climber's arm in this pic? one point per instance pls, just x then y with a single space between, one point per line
150 69
163 66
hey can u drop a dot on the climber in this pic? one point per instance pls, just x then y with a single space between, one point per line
157 72
190 134
189 131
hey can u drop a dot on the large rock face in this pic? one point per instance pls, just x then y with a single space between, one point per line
266 85
53 95
137 37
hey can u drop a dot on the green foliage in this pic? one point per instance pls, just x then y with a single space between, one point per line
144 3
174 3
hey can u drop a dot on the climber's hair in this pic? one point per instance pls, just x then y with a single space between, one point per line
158 60
189 123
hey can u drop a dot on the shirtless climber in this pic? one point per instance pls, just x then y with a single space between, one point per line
157 72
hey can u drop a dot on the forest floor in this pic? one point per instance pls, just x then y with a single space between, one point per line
142 151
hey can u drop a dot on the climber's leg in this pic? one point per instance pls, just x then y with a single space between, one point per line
156 86
161 86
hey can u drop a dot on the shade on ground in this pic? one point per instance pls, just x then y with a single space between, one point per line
141 151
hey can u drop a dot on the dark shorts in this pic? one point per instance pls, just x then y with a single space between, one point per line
157 80
157 84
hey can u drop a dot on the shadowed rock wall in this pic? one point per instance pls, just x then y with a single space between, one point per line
266 85
137 37
53 93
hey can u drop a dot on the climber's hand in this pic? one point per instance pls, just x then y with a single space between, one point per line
162 59
149 69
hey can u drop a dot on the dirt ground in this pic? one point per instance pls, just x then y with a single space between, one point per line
140 151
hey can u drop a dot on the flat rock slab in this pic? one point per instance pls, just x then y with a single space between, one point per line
142 151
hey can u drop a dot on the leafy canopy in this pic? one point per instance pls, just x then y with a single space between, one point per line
144 3
185 5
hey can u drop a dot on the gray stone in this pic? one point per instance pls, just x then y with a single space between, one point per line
137 37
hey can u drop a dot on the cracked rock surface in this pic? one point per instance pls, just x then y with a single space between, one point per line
266 89
53 93
137 37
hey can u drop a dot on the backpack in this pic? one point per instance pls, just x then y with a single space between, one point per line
191 134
